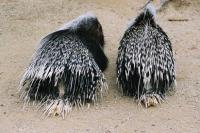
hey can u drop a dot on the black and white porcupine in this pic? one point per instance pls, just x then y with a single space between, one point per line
145 63
66 69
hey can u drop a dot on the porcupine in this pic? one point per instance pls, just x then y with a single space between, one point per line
145 63
67 68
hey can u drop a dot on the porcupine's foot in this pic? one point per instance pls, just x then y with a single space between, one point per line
57 107
149 100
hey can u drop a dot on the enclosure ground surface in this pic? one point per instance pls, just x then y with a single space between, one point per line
24 22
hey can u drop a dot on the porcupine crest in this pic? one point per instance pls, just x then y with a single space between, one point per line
145 63
67 59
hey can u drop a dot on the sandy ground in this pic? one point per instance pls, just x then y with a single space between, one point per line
24 22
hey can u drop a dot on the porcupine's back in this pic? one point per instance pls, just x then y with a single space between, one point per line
62 57
145 60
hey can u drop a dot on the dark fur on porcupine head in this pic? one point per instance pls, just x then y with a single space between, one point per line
71 59
145 63
90 32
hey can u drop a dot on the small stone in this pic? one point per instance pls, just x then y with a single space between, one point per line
87 130
108 131
153 125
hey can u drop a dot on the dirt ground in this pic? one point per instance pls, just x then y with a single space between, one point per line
24 22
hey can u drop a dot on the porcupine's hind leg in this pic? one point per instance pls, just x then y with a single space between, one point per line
134 85
38 90
157 91
57 106
43 90
151 99
78 89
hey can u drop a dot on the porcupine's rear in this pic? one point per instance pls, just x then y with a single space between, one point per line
145 63
71 59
